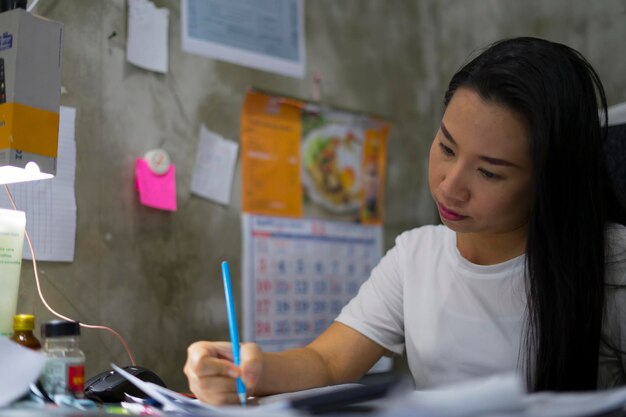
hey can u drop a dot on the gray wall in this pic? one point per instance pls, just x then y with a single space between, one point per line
154 276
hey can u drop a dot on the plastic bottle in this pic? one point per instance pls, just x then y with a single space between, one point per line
23 325
64 373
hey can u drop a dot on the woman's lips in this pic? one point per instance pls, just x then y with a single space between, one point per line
449 214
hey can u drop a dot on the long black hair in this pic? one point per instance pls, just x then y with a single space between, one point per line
559 93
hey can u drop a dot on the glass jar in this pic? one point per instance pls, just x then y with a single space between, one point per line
64 373
23 325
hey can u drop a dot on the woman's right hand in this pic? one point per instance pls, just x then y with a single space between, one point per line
211 372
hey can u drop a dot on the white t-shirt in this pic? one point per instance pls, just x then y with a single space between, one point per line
458 320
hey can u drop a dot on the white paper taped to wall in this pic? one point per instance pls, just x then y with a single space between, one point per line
147 36
215 166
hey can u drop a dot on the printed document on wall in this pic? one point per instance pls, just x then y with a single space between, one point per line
50 205
262 34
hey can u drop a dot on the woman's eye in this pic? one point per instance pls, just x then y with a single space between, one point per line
488 174
446 150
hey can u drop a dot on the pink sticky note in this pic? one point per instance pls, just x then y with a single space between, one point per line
157 191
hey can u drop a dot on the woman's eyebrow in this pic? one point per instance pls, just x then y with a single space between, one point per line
447 134
489 159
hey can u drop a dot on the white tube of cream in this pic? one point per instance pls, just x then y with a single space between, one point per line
12 226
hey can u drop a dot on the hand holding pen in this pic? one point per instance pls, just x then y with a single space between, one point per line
211 371
211 366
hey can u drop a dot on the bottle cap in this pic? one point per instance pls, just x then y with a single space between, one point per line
59 328
23 322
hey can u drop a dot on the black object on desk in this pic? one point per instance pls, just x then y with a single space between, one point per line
110 387
349 399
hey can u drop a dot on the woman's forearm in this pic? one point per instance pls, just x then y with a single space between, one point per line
292 370
339 355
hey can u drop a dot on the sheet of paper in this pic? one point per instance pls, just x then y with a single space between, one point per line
495 394
504 395
156 191
146 46
178 403
20 368
50 205
215 167
617 114
266 35
575 404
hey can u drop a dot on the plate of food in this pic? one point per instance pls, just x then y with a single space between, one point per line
331 167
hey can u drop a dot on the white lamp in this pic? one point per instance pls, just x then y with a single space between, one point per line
11 174
30 92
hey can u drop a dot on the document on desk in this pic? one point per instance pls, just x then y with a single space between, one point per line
50 205
19 367
315 400
501 394
177 403
504 395
575 404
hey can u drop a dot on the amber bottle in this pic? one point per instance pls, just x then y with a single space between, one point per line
23 325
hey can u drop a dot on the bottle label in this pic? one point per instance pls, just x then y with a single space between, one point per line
61 377
76 379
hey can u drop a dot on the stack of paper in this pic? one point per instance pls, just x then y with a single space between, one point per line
501 395
19 367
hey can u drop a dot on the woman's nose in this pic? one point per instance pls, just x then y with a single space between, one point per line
454 185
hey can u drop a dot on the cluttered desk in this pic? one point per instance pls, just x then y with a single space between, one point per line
136 391
502 395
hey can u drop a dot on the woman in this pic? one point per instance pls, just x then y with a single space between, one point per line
521 274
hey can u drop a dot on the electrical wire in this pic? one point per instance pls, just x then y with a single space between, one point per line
32 5
88 326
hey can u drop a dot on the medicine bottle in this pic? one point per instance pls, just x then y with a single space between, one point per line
64 373
23 325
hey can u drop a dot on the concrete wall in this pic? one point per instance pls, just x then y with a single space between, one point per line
153 276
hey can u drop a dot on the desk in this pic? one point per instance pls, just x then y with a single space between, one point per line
94 413
406 413
471 400
8 412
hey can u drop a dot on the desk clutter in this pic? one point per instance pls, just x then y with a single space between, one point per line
24 392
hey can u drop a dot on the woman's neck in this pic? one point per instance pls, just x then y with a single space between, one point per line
491 249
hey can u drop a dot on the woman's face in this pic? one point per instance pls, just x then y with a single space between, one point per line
480 171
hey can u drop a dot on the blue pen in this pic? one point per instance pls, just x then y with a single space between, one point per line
232 326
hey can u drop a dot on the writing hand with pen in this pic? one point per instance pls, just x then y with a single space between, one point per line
216 372
212 374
